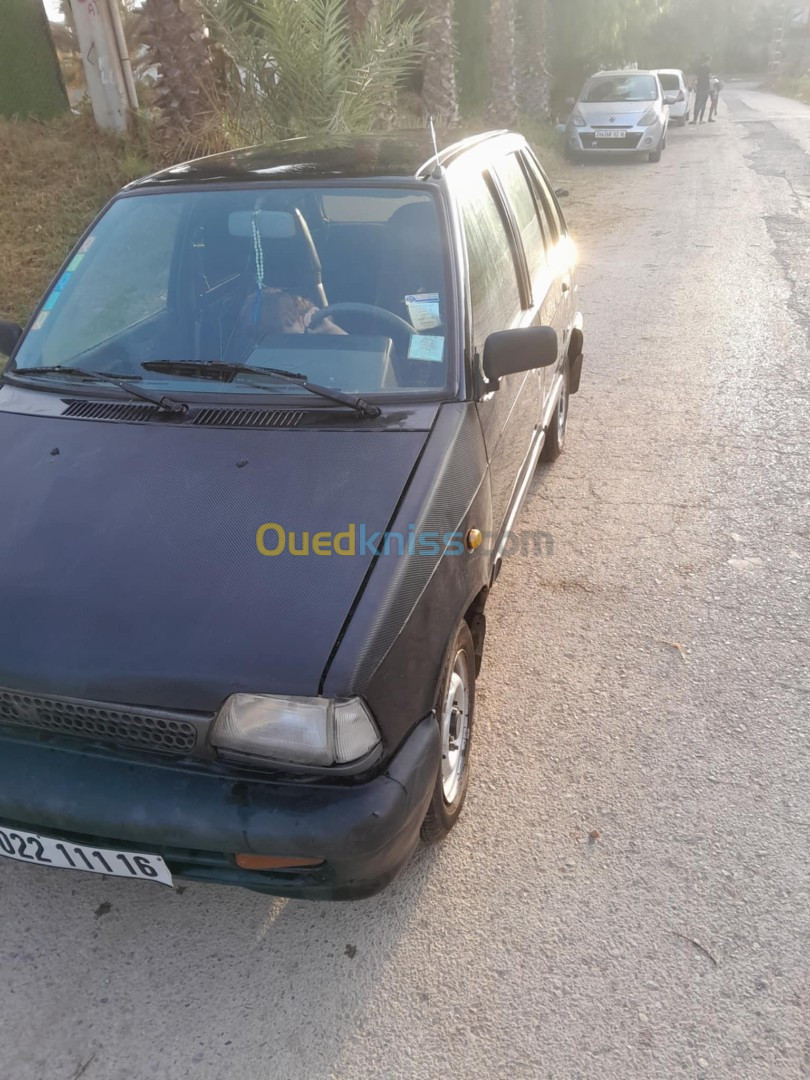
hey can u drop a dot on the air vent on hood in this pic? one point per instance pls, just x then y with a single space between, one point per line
213 417
253 418
110 410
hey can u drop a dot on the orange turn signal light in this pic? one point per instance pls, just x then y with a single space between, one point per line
274 862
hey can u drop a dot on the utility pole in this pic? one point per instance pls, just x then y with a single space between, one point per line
777 52
107 67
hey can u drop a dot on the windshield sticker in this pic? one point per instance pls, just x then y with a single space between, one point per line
40 319
86 245
423 309
56 294
426 347
74 262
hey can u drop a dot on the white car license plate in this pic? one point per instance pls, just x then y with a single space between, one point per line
610 133
43 851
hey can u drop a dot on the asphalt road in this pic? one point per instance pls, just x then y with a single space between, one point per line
627 896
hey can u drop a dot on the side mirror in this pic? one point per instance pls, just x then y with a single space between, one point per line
10 334
570 102
560 129
509 352
670 99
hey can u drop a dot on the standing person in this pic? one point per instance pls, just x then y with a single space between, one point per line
703 88
714 93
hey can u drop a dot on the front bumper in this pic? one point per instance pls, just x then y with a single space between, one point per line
196 820
584 142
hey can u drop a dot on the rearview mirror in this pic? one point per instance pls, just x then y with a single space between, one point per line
10 334
509 352
272 224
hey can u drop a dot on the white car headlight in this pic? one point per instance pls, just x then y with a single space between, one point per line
295 730
648 119
577 119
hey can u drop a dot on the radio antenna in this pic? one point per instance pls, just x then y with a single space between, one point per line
438 172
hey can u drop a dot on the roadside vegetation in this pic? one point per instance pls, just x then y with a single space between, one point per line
797 87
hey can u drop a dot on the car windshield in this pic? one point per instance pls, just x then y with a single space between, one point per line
670 82
613 88
243 277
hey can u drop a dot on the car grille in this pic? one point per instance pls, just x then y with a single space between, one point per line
629 142
111 724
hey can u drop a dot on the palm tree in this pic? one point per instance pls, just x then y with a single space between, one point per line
503 105
440 87
174 33
534 83
360 12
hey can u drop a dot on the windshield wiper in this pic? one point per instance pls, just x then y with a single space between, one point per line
166 403
216 369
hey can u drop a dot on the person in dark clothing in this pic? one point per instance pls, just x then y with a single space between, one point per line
703 88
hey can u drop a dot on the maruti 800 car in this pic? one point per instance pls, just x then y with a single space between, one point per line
263 443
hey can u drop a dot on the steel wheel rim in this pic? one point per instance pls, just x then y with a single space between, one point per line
455 729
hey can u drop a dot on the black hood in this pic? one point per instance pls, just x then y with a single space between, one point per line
129 570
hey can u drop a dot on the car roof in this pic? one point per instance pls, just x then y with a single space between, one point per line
623 71
388 155
668 71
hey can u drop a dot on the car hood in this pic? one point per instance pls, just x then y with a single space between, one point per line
617 114
129 567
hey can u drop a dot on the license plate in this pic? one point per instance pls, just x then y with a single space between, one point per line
610 133
43 851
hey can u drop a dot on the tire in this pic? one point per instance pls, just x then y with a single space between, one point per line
453 776
555 436
655 156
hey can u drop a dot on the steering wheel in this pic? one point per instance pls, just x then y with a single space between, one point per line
399 328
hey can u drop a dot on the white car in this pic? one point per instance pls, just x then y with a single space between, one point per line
673 82
619 111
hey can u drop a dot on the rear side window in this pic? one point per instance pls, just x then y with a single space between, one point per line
521 199
554 220
494 291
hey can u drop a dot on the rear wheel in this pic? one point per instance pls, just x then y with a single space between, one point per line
555 436
455 709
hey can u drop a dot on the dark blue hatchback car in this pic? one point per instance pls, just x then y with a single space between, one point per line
264 443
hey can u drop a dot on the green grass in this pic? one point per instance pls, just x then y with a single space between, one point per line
54 179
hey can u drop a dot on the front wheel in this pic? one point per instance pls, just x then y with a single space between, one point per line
555 436
456 710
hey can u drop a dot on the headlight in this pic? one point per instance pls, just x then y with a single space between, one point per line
648 119
295 730
577 119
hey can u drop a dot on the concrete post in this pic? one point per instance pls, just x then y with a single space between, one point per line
107 70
